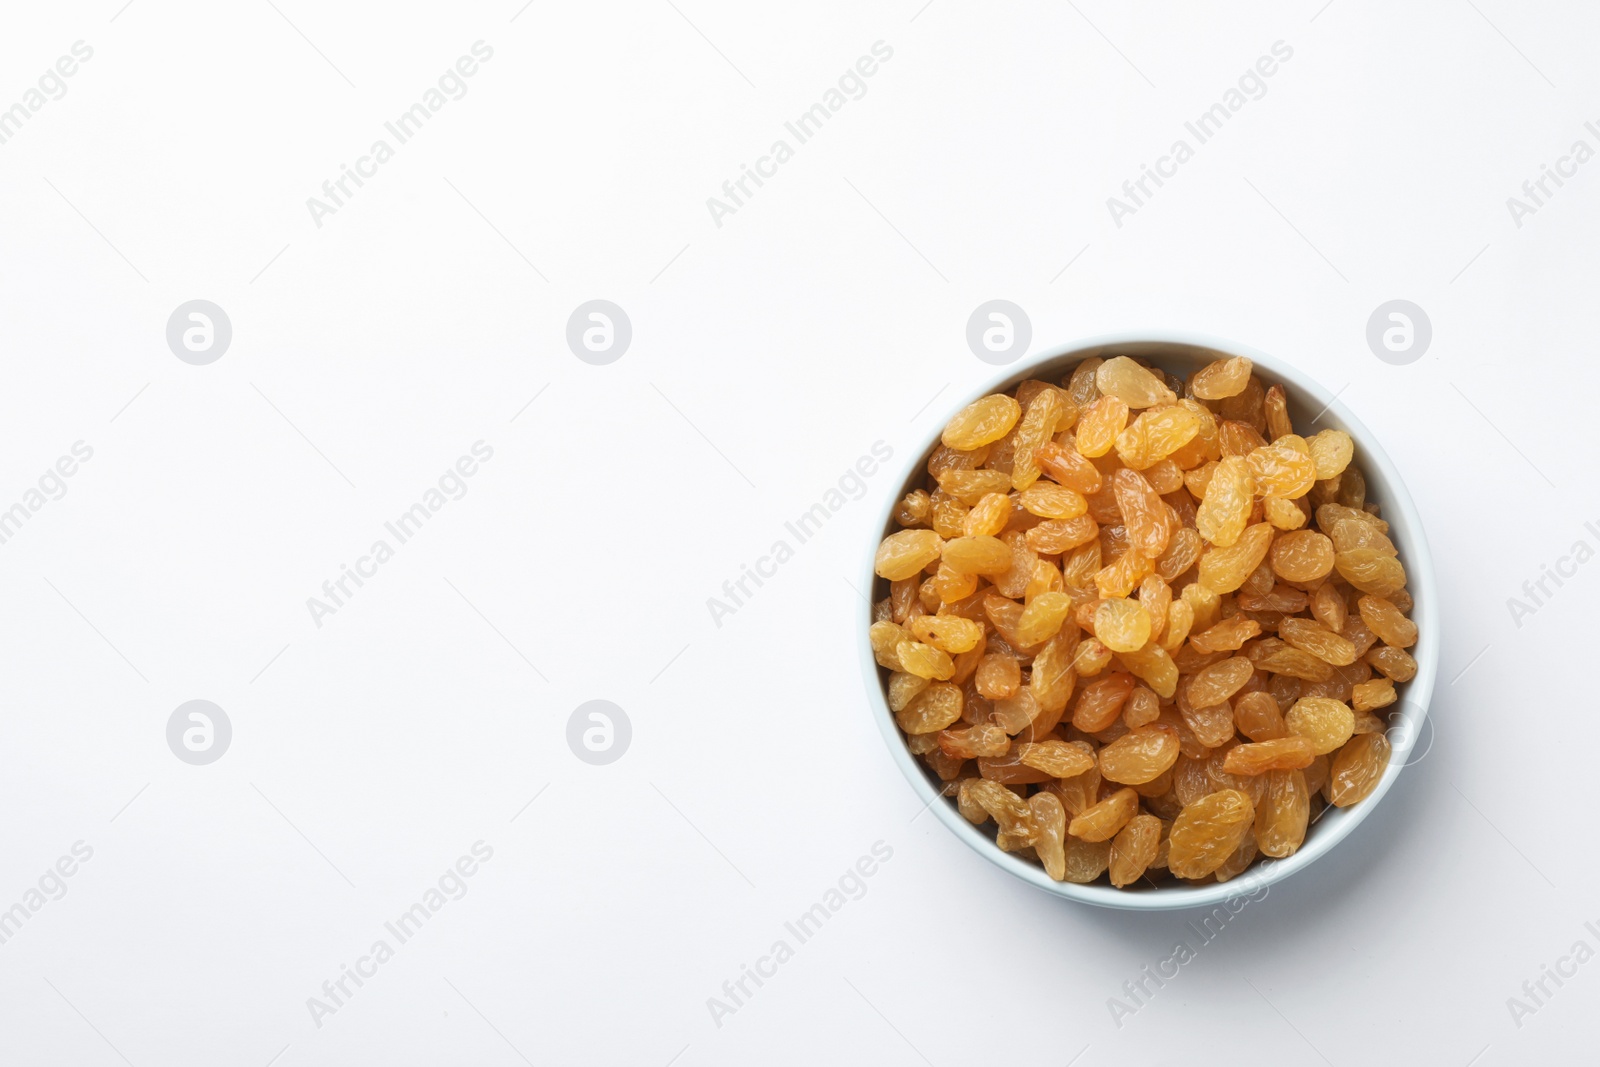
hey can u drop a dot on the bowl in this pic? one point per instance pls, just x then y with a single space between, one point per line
1182 353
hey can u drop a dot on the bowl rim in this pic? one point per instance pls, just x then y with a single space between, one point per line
1405 527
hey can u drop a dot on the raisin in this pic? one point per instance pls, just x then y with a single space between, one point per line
1038 425
1369 696
1281 754
1133 849
1276 409
1099 426
1331 452
904 554
1326 723
1144 513
1281 470
924 660
1066 466
1311 636
1043 617
1101 821
1155 435
931 710
1059 759
1302 556
983 739
1056 536
1225 506
1050 819
1281 818
1051 501
1357 769
1154 667
1219 681
1122 625
1140 755
1134 385
1183 550
1393 663
1086 860
950 633
982 422
1208 831
1387 621
1222 570
1100 702
1222 379
978 555
1258 717
1229 635
998 676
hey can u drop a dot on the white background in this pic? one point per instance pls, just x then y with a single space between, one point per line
768 355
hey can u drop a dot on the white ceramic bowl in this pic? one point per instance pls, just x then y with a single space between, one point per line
1181 353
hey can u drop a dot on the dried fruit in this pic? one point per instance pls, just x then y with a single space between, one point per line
1058 759
1208 831
1134 385
1101 821
1042 618
1229 635
1122 625
1143 513
1219 681
1225 507
1326 723
904 554
982 422
1281 754
950 633
1311 636
1140 755
1134 849
983 739
1234 606
1393 663
1224 378
1357 769
1281 817
1222 570
1051 501
1050 839
1066 466
1302 556
933 709
1387 621
925 661
1281 470
1100 425
1258 717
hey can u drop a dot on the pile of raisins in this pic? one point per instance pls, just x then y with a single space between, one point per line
1143 625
